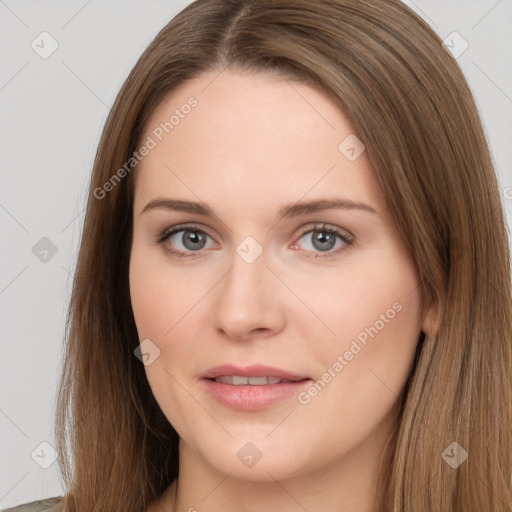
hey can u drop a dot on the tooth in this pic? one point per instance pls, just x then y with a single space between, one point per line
257 381
239 381
225 379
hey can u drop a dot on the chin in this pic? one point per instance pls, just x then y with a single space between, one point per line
261 460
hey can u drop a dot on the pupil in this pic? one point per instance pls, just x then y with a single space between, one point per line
193 240
323 240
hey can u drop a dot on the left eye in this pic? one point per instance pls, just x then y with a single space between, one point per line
324 240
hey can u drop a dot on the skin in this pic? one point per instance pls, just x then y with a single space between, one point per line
254 143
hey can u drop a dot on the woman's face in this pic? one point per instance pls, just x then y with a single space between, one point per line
285 264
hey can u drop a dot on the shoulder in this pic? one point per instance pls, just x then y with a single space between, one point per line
46 505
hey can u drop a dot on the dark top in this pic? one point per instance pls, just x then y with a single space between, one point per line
46 505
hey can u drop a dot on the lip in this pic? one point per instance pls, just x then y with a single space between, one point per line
252 397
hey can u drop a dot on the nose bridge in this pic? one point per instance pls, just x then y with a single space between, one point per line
246 282
245 301
248 268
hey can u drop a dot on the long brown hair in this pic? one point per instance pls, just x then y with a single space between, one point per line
411 106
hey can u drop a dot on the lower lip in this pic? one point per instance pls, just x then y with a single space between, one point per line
253 398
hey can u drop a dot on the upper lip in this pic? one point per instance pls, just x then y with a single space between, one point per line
251 371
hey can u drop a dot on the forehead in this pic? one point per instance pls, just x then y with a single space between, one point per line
244 136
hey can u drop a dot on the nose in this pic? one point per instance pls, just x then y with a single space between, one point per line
248 303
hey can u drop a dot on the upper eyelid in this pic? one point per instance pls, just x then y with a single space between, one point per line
184 227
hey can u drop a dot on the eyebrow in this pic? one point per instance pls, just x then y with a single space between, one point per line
287 211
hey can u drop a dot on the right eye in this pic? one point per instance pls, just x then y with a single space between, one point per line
183 240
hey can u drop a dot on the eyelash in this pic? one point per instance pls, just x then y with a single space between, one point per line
167 233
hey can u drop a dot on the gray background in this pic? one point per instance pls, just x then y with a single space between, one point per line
52 113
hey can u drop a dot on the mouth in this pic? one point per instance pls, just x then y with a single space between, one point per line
252 388
254 373
240 380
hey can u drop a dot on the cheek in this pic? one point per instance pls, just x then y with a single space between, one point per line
166 302
161 300
161 295
375 303
377 324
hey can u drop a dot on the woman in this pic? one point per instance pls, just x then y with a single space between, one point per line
293 288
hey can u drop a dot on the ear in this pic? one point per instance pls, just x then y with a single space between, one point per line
431 321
